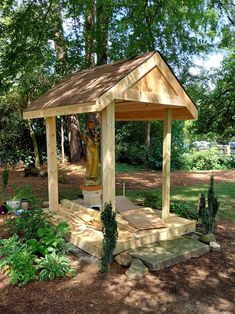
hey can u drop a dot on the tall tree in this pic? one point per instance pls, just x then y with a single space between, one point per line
89 31
215 96
104 10
62 67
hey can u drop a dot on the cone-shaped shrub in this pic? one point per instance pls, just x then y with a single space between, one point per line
110 233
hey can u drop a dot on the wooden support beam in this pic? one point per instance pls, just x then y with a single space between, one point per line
52 164
33 113
166 164
151 97
108 154
151 115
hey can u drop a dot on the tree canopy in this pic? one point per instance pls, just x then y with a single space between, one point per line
42 40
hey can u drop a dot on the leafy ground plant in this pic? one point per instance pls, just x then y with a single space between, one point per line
54 265
25 192
17 261
49 239
29 222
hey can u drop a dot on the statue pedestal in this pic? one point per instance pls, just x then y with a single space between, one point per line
92 195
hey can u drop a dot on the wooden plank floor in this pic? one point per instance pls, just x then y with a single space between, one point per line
85 225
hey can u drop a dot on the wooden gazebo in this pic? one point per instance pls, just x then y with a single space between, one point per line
142 88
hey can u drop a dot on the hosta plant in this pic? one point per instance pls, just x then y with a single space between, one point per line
17 261
54 265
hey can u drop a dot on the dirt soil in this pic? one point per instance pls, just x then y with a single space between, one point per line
71 176
201 285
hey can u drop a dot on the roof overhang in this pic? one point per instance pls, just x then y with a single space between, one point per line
131 103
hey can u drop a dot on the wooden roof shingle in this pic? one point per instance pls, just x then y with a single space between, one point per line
87 85
141 87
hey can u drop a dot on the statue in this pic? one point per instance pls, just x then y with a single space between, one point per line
91 138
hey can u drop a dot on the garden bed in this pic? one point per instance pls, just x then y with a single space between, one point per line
200 285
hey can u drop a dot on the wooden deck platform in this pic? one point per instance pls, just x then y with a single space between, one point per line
86 227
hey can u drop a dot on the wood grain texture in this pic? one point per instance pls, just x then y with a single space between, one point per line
108 154
166 165
52 164
144 79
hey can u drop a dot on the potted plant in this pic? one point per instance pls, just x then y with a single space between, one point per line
13 203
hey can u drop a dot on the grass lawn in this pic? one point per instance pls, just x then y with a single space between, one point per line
190 195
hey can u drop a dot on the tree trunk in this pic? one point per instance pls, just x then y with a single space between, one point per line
59 41
74 133
148 134
89 34
35 146
62 139
149 20
75 144
103 16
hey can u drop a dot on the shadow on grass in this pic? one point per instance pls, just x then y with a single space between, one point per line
190 194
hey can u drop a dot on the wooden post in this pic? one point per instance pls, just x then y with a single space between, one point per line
108 154
52 164
166 164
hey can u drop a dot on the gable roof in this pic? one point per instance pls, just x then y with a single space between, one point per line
93 89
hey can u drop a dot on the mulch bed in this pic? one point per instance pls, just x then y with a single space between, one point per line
200 285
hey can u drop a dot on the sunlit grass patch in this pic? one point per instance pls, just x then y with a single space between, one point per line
190 195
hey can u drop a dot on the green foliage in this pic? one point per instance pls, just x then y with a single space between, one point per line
207 214
215 94
152 200
202 206
29 222
49 240
34 53
183 210
179 208
5 178
38 238
18 256
25 192
39 234
110 233
127 168
17 260
131 147
211 159
54 265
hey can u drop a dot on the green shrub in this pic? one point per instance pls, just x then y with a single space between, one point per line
211 159
54 265
26 192
183 210
131 147
179 208
5 178
28 223
17 261
207 214
39 238
152 200
49 239
110 233
38 232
